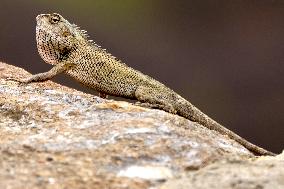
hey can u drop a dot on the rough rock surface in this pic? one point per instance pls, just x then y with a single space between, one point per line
56 137
261 173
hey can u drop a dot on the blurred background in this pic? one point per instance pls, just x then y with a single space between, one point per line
225 56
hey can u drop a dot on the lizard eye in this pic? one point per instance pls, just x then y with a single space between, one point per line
54 19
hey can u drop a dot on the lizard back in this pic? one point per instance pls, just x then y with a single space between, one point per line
93 66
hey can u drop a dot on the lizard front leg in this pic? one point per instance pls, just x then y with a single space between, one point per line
57 69
148 98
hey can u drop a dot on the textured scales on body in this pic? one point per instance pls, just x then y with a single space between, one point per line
66 47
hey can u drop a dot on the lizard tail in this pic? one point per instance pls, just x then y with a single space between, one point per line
189 111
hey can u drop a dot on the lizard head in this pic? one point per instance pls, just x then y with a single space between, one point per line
56 37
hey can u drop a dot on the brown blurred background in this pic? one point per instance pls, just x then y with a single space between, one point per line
225 56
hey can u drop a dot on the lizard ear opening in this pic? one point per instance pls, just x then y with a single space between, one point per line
66 33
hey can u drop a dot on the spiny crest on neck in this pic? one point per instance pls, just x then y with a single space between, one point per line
85 35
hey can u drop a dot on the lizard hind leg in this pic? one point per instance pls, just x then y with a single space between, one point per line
149 98
103 95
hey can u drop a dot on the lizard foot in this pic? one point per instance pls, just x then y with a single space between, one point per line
19 81
169 109
103 95
147 105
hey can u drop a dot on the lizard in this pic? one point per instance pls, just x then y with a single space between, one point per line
70 51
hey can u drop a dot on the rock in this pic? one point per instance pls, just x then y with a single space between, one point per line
56 137
261 173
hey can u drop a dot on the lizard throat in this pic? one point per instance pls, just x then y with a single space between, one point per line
50 52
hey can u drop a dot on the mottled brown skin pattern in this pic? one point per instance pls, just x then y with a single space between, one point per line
66 47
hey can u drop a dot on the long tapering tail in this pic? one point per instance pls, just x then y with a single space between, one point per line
189 111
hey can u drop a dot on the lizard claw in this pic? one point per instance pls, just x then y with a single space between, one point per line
143 104
103 95
167 108
137 103
19 81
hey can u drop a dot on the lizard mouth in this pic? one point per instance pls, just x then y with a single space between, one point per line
40 16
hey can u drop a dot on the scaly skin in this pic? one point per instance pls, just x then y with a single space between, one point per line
66 47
